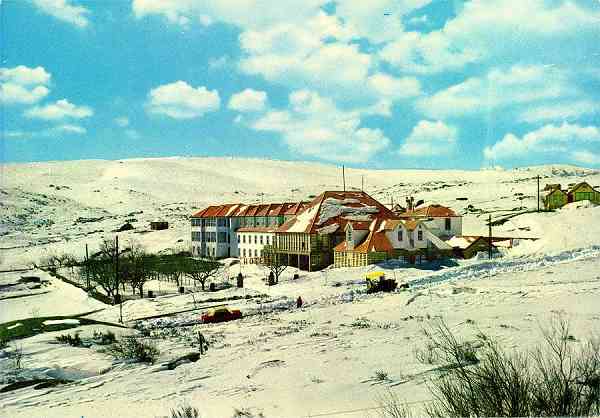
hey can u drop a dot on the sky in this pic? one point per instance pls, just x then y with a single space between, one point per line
377 84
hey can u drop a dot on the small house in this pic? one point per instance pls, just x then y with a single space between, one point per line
554 198
583 191
382 239
469 246
158 225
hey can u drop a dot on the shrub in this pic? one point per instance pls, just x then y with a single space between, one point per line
245 413
136 349
104 338
556 380
361 323
185 411
72 340
381 375
390 406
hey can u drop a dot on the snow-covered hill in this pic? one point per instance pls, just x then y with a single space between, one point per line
76 202
321 360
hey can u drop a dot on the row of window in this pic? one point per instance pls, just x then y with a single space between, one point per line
249 253
223 222
203 251
401 235
257 239
210 236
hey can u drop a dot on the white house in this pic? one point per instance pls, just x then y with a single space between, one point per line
251 242
441 220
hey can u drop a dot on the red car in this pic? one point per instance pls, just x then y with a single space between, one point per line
221 315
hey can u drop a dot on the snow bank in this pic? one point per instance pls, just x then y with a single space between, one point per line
331 208
61 321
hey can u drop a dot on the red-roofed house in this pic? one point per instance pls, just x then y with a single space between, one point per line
214 229
408 239
307 240
441 220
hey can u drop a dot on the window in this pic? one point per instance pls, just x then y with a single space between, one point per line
238 237
255 239
244 239
244 252
255 252
420 235
267 239
448 224
400 235
261 239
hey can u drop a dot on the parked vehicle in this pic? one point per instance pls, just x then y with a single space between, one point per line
377 282
221 315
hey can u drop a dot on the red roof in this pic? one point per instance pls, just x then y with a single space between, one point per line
431 211
337 208
241 210
376 240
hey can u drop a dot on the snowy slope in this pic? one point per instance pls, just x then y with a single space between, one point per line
283 361
78 202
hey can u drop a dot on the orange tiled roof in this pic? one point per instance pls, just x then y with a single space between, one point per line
241 210
431 211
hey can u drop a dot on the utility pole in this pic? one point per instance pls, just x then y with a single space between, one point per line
117 278
87 268
344 176
490 236
538 192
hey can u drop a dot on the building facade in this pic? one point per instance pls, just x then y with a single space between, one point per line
408 240
213 229
307 241
251 242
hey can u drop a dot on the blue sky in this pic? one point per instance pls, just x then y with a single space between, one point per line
381 84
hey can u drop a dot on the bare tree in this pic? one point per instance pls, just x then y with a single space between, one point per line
202 270
273 261
136 267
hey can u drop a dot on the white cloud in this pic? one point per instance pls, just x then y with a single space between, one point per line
566 140
248 100
299 55
65 11
179 100
505 30
426 53
430 139
377 20
315 126
122 121
25 76
559 111
61 109
587 157
499 88
23 85
68 129
388 86
242 13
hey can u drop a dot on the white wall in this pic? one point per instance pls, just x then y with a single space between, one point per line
438 226
392 236
250 246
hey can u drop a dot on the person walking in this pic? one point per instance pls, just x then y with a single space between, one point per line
299 302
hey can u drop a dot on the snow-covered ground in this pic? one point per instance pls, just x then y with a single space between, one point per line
279 360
